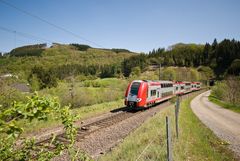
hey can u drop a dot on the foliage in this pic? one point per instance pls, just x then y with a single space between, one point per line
234 68
81 47
134 61
219 56
88 92
219 90
228 90
8 93
108 71
207 71
30 50
120 50
38 108
41 78
136 71
64 60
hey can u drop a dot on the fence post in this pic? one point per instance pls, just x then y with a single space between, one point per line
169 146
176 114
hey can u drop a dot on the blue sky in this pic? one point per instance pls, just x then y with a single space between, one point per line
137 25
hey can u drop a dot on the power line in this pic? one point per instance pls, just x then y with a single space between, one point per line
49 23
26 35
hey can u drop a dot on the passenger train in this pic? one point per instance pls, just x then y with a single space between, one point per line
145 93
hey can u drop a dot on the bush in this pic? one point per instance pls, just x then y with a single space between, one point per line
219 90
8 94
37 108
228 90
41 78
81 47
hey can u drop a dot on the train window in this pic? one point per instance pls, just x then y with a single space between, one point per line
158 94
147 91
182 87
176 88
153 92
134 88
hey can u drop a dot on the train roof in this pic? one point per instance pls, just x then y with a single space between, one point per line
195 82
153 81
164 81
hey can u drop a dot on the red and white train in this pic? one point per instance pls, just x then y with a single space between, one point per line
145 93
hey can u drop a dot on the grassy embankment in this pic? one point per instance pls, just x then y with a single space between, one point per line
196 141
229 106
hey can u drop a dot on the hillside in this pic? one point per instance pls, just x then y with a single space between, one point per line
19 63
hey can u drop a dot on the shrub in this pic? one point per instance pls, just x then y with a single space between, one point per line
37 108
81 47
41 78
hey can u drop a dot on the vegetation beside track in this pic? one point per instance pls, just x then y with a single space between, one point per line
82 113
195 142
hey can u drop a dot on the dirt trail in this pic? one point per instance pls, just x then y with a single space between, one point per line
224 123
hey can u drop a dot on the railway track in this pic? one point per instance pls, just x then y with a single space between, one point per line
90 128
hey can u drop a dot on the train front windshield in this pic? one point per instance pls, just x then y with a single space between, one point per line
134 88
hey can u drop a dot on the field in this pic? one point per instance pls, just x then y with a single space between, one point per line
195 142
88 92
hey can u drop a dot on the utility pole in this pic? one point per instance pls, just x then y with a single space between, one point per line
160 71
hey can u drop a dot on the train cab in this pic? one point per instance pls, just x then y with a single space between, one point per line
143 93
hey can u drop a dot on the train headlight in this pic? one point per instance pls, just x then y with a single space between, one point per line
139 99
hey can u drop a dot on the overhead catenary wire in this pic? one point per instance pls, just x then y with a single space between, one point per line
50 23
26 35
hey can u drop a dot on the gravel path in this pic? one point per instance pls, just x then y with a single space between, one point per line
224 123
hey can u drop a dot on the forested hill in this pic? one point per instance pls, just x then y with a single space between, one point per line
223 57
63 60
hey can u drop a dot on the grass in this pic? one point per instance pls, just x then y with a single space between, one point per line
196 142
83 113
229 106
88 92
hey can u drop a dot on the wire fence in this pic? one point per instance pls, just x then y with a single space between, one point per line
168 143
